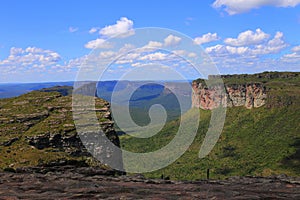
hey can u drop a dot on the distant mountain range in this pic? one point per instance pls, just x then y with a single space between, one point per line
144 94
8 90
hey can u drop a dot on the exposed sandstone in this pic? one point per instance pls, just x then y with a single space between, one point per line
252 95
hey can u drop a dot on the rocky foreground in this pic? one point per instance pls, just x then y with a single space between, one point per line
68 182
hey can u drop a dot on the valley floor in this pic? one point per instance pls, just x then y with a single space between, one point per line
93 183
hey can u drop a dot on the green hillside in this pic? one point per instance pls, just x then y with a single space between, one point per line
261 141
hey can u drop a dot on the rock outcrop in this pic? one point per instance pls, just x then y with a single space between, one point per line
250 95
41 124
67 182
272 89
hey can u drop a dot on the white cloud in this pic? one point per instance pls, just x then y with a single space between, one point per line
154 56
107 54
172 40
16 51
293 57
98 43
233 7
255 57
296 49
93 30
248 38
217 49
206 38
274 45
138 64
123 28
237 50
127 47
184 53
154 44
180 52
227 50
128 58
29 59
73 29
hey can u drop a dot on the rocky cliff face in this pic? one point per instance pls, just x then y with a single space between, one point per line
250 95
41 124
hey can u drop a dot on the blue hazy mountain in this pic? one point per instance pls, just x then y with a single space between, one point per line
8 90
138 95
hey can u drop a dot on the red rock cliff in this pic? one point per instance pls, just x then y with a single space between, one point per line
250 95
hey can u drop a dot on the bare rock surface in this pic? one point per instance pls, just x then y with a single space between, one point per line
67 182
247 95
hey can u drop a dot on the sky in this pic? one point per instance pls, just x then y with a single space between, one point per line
44 41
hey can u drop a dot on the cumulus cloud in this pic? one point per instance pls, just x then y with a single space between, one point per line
128 58
241 59
233 7
154 44
98 43
123 28
154 56
127 47
172 40
292 57
247 38
29 59
206 38
274 45
223 50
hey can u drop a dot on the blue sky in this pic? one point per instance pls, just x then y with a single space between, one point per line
47 40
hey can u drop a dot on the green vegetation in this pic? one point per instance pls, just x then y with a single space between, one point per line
261 141
33 114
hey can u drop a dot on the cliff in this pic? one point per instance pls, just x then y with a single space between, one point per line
248 95
250 91
41 124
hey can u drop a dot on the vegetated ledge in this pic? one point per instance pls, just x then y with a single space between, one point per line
38 128
250 91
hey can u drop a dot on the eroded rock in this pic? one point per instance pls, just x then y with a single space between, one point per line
248 95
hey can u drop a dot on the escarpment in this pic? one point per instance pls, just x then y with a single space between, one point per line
248 95
41 124
247 90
